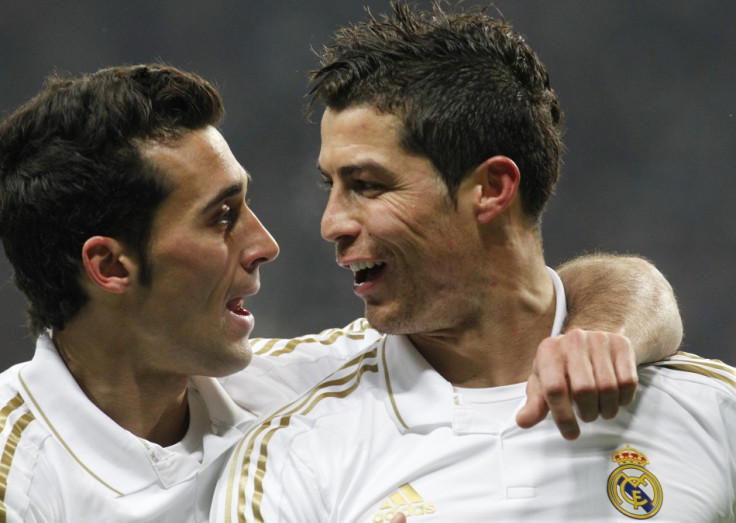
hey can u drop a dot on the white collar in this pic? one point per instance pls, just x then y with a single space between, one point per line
418 397
111 454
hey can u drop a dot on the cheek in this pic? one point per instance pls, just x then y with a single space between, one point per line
191 249
401 219
182 264
426 232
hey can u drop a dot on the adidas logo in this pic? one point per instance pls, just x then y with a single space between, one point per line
405 499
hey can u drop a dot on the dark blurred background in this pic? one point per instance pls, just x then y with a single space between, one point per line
648 88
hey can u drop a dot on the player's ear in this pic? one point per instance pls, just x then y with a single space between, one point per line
497 183
108 264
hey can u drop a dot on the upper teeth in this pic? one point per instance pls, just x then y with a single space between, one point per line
359 266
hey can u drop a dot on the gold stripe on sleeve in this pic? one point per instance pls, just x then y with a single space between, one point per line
707 362
327 337
266 346
715 369
289 347
9 407
8 453
281 419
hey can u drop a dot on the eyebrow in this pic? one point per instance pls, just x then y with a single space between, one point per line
348 170
225 193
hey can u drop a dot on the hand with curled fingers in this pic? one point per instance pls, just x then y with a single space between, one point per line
588 373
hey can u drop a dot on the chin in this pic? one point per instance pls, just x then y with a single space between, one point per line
387 323
231 362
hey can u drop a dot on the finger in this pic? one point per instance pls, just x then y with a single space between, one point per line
564 416
602 353
551 369
398 518
581 374
626 372
615 372
535 409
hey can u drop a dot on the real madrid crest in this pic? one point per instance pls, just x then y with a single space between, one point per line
633 489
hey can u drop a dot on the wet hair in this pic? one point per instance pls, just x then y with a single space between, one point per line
71 167
465 86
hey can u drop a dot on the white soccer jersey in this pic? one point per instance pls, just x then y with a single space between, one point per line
283 369
387 433
65 460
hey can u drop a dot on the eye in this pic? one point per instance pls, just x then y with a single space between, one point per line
227 217
325 184
368 188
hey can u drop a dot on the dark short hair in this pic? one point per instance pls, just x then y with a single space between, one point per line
71 167
465 86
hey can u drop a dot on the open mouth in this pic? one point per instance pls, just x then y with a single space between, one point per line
236 306
366 271
238 321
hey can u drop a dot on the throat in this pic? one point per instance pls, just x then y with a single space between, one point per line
476 357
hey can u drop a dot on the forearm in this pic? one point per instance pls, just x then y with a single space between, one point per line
626 295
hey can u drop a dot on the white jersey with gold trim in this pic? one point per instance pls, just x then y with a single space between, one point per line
387 433
283 369
64 460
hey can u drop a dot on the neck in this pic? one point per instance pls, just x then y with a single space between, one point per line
498 346
109 369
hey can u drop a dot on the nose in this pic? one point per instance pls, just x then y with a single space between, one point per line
339 219
258 244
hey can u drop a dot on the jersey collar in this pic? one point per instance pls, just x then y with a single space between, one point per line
418 398
113 456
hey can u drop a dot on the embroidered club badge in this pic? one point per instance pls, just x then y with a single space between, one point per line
633 489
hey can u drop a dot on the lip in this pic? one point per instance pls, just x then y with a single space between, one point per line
241 293
364 289
240 321
240 325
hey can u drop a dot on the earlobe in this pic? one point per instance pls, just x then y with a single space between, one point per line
106 264
498 183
